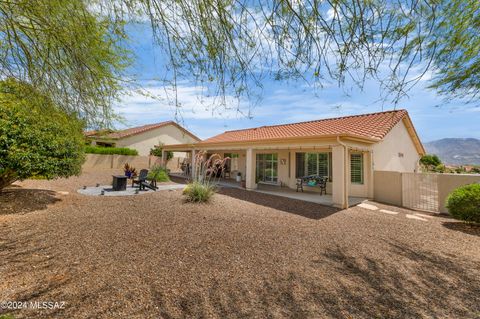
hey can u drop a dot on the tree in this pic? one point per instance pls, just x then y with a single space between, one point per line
67 51
430 160
36 138
231 46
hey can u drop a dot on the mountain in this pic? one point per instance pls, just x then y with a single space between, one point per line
456 151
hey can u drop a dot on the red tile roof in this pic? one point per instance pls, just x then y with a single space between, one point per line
141 129
371 126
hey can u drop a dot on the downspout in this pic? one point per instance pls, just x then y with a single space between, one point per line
345 169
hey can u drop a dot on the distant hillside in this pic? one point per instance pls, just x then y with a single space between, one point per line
456 151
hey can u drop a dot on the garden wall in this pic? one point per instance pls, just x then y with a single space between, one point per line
421 191
97 161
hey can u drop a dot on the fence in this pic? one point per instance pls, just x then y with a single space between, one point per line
420 191
97 161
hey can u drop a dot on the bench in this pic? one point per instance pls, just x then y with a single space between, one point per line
313 180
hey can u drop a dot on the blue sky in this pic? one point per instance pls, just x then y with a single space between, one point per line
281 102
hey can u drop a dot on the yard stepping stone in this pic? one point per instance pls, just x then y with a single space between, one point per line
416 217
368 206
390 212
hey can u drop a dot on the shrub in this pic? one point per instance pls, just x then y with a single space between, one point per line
464 203
198 193
157 151
430 160
158 173
110 150
36 138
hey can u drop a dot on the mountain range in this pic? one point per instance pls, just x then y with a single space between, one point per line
455 151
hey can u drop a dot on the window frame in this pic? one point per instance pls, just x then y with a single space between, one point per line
305 165
361 168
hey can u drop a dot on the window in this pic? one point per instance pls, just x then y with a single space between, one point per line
267 168
313 164
356 168
232 163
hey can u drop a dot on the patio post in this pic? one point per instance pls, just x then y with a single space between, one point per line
192 171
164 162
338 176
250 171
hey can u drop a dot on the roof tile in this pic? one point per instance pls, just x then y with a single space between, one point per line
372 126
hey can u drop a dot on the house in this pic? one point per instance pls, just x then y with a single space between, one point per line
346 149
143 138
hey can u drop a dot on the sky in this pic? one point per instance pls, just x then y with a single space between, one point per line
281 102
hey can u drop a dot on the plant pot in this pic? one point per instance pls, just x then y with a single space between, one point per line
128 174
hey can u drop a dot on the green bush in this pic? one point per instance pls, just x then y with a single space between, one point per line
158 173
198 193
110 150
156 151
464 203
36 138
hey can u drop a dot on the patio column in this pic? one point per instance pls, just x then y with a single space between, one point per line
250 171
164 162
192 171
339 171
369 173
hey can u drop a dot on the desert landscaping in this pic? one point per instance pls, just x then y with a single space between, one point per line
243 254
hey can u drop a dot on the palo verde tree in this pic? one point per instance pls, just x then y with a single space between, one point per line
36 137
230 46
72 50
66 51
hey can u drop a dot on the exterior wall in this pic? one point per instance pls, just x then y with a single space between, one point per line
167 135
449 182
388 187
97 161
386 153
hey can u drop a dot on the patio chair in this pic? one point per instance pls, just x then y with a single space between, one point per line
140 179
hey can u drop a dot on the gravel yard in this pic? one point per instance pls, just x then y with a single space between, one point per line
244 254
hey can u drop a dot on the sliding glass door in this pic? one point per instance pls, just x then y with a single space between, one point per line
267 168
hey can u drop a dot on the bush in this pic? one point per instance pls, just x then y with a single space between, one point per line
36 138
110 150
198 193
156 151
464 203
158 173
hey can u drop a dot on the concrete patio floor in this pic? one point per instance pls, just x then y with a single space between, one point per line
286 192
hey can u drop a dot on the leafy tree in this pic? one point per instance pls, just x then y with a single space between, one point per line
231 46
157 151
430 160
36 138
67 51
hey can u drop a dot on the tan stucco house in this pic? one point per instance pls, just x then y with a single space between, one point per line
346 149
145 137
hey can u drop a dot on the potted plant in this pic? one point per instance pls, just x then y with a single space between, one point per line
238 178
130 171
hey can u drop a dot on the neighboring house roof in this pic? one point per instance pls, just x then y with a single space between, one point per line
373 127
140 129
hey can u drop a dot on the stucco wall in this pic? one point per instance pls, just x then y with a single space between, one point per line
388 187
97 161
386 154
449 182
164 135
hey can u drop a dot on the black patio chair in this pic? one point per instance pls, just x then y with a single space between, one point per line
140 179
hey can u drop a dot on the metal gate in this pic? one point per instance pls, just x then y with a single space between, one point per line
420 191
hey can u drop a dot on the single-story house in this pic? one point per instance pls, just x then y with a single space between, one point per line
346 149
144 138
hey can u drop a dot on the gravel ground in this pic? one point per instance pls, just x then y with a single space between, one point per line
244 254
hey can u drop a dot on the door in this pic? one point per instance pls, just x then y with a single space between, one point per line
267 168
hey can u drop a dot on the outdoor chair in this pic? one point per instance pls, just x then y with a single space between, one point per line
140 179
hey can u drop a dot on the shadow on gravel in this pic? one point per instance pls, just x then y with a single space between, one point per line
288 205
411 284
21 201
470 229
